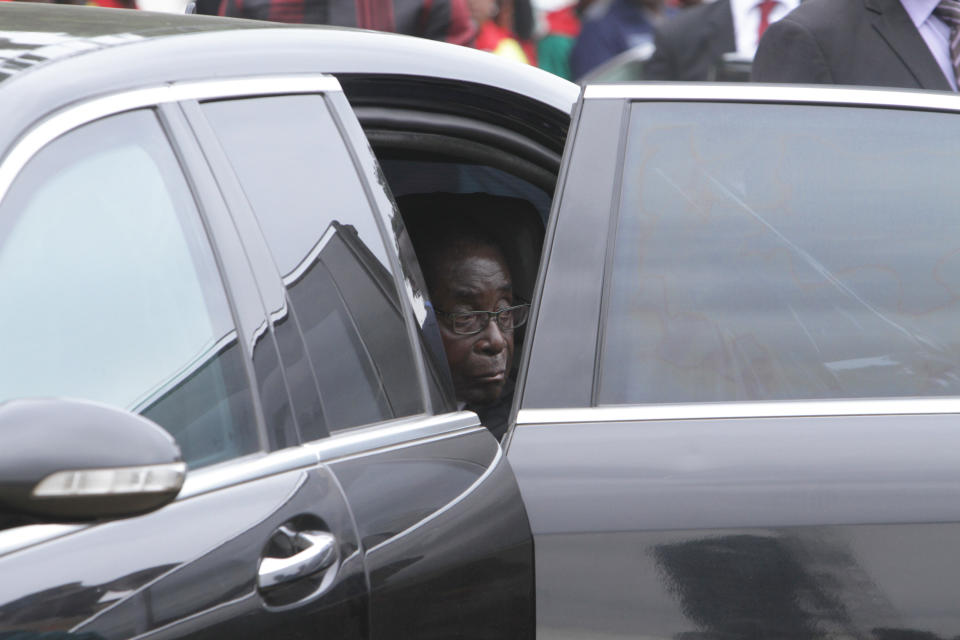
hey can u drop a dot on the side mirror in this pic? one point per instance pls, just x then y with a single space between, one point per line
73 461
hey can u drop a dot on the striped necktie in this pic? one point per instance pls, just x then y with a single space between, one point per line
949 12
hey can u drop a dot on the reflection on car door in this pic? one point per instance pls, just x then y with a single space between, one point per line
754 434
121 300
445 538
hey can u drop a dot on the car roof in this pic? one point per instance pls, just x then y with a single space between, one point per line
54 55
34 34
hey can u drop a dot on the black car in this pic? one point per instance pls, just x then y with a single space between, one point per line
225 411
195 231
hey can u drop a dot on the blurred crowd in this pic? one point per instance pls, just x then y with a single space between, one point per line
893 43
570 38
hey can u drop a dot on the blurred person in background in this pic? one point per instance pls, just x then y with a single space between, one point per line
113 4
612 27
913 44
562 29
505 28
446 20
691 44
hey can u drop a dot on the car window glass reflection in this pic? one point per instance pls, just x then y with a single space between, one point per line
299 178
784 252
116 292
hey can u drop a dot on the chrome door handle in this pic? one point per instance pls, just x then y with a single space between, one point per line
317 551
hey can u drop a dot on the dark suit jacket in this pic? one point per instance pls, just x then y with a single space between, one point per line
689 45
865 42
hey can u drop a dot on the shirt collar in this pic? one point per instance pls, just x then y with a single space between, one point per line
919 10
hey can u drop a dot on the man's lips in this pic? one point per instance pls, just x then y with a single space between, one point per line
492 376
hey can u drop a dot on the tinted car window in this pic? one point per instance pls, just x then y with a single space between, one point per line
768 252
311 205
111 291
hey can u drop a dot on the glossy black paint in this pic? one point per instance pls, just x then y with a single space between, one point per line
155 574
789 537
802 526
566 316
188 569
445 544
174 596
90 436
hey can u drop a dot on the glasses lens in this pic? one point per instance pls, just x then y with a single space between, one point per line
520 314
505 319
512 317
467 323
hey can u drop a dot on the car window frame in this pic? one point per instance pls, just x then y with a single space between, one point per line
628 95
573 256
239 285
436 384
382 208
159 101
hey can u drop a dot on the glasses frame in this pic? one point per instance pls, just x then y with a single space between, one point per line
487 315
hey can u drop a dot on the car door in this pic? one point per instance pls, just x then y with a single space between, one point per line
443 532
125 284
738 413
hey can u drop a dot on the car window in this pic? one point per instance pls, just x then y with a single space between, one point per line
771 252
299 178
111 292
406 176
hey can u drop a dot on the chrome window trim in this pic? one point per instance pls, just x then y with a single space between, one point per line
727 410
732 92
244 469
77 115
355 442
813 95
395 433
19 538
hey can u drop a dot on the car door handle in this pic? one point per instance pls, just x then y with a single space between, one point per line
316 550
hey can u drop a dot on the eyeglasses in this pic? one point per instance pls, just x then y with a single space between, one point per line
468 323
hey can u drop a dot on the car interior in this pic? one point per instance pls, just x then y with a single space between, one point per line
433 138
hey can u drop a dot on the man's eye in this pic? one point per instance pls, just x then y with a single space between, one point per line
465 321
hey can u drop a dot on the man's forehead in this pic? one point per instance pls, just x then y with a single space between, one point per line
463 290
462 247
475 275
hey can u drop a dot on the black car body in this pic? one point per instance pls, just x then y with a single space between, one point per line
333 488
736 396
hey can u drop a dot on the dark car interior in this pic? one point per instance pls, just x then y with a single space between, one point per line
432 137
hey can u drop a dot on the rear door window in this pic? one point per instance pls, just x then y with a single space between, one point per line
774 252
307 196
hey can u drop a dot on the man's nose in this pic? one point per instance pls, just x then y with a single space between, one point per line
492 338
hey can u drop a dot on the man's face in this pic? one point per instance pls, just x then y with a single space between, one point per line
475 278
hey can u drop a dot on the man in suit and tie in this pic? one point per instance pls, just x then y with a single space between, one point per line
891 43
691 45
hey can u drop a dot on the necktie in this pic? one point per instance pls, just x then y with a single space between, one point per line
949 12
766 6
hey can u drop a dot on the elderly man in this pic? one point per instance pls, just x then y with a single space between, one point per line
472 295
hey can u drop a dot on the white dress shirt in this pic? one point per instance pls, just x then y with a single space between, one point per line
935 32
746 21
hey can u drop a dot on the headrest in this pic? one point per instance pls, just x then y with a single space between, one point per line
513 223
